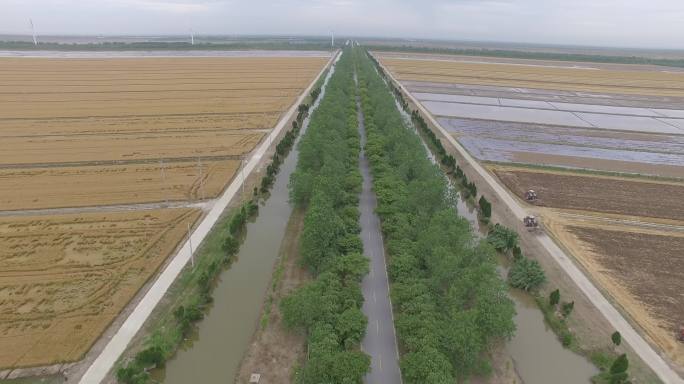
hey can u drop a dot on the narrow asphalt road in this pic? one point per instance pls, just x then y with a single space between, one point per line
380 341
614 317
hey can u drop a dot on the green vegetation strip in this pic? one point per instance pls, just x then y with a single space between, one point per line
450 304
191 293
327 183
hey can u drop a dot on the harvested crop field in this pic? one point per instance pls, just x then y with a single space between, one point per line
56 187
618 195
640 268
102 148
588 79
66 277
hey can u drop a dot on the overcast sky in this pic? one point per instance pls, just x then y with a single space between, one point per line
624 23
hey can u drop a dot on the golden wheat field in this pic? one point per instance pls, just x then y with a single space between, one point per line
112 120
654 83
58 187
66 277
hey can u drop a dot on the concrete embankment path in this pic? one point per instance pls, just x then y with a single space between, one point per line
642 348
380 341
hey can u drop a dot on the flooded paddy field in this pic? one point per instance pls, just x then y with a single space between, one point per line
557 116
544 95
533 143
551 105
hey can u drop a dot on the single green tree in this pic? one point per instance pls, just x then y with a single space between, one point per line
616 337
485 207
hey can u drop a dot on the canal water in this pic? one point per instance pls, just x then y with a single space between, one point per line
538 355
214 353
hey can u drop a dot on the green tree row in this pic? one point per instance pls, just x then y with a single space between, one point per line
326 183
450 303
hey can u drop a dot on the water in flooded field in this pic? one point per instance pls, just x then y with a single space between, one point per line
502 110
501 141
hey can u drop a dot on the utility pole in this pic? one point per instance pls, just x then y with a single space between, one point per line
192 254
33 32
201 176
242 162
163 177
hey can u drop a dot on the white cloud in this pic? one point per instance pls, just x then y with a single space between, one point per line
163 5
653 23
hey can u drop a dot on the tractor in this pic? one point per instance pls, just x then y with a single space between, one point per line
531 223
531 196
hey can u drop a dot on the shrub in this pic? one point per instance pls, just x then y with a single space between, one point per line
566 308
526 274
485 207
618 371
230 245
554 298
503 239
616 337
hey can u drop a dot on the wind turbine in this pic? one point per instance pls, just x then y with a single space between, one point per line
332 40
192 37
33 32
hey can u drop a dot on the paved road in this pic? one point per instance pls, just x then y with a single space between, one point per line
118 343
380 341
615 318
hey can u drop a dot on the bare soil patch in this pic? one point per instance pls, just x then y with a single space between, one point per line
640 269
636 197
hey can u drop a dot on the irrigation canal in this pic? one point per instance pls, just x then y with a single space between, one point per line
214 353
